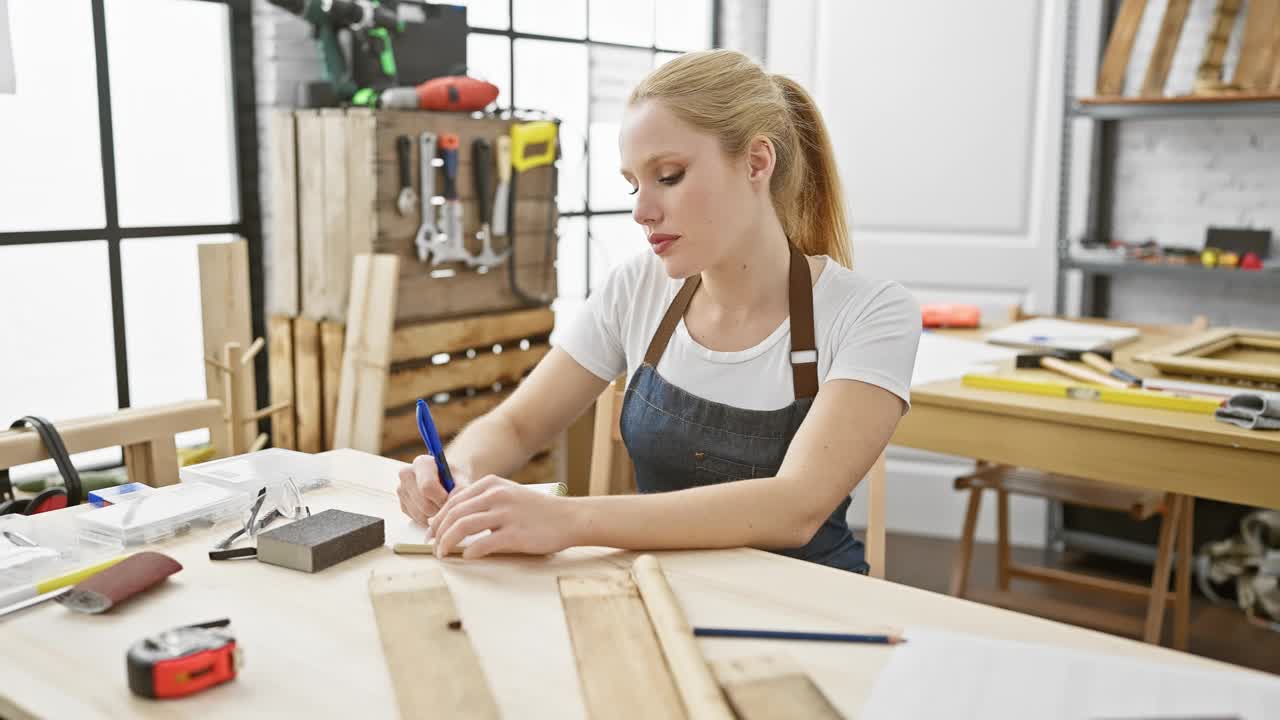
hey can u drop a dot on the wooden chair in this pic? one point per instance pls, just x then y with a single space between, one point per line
146 434
613 474
1175 511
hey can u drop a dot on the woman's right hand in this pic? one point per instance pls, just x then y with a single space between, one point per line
420 492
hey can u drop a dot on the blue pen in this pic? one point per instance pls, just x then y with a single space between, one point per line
427 428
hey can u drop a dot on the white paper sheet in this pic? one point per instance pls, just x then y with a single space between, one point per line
937 674
1063 334
946 358
403 535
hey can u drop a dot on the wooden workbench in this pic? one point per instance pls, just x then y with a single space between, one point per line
312 649
1166 450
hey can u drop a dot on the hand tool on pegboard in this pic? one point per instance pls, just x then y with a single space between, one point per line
481 162
427 230
404 164
533 145
452 248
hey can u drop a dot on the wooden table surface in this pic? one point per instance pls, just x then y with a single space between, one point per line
1167 450
311 645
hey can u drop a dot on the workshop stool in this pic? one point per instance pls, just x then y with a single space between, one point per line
1138 504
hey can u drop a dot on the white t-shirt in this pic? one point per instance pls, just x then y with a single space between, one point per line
866 330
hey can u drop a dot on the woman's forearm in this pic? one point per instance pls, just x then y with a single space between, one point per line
762 513
490 445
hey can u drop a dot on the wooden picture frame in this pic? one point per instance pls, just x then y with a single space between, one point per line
1256 355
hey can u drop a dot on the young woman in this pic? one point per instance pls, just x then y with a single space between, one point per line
765 376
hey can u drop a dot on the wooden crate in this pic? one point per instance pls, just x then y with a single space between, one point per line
341 179
465 367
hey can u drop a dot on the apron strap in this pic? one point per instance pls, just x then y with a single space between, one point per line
804 349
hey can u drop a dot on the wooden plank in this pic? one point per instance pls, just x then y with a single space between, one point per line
280 367
363 386
307 387
362 188
1080 580
434 667
423 297
1175 16
225 317
771 687
1209 74
337 250
1261 41
332 338
137 463
697 686
153 462
405 386
1160 575
620 663
312 245
283 296
401 428
422 340
1182 592
1115 62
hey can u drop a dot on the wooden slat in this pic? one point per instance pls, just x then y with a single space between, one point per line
422 340
405 386
1160 575
771 687
401 428
123 427
154 462
280 365
362 188
1175 16
337 250
1115 62
307 388
1140 504
312 245
1080 580
620 662
1209 74
332 338
698 689
362 389
1261 42
423 297
283 295
1182 587
225 316
433 665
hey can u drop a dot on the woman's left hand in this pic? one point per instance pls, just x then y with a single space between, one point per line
521 520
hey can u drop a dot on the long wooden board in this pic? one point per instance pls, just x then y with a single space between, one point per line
434 667
363 385
308 398
771 688
313 261
1175 16
283 295
405 386
224 310
332 339
422 340
620 663
280 369
1260 45
1115 62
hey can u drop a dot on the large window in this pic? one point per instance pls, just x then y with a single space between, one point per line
578 59
120 153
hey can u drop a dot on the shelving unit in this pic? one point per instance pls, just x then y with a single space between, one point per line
1106 112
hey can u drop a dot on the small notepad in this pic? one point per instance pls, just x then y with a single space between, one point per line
1044 333
407 537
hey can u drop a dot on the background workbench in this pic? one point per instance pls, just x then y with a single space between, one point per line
312 649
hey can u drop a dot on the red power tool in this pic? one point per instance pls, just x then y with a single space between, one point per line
183 661
457 93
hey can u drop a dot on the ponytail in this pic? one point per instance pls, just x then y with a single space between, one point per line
725 93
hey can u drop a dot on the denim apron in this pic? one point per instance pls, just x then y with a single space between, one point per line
678 440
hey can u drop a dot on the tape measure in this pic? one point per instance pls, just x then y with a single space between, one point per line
183 661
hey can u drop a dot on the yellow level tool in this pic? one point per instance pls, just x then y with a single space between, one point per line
1138 398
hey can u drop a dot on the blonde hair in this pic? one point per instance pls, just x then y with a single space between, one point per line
725 93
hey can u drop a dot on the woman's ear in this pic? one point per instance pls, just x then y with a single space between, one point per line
760 159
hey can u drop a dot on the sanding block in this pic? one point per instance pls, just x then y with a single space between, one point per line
324 539
121 581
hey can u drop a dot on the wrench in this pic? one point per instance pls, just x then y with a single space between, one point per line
427 230
481 159
451 248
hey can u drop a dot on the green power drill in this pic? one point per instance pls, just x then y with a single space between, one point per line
371 26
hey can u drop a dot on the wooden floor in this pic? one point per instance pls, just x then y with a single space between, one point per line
1218 632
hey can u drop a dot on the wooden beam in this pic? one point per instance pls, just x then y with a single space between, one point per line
307 393
224 310
280 367
405 386
1115 63
1175 16
363 388
123 427
282 286
433 665
332 337
422 340
152 462
620 663
312 245
1260 44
